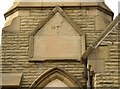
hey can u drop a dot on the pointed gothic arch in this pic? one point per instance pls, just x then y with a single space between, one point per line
56 73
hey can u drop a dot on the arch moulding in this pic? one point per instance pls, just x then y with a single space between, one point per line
55 73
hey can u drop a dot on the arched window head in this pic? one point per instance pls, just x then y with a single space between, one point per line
58 76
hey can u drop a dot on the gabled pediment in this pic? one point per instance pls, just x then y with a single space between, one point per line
57 25
57 37
57 15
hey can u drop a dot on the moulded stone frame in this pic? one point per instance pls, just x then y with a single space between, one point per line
53 12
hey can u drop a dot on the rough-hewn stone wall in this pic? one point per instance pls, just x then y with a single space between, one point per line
110 76
15 47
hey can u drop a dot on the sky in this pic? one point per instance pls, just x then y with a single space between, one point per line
6 4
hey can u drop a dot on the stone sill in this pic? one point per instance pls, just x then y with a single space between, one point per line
54 60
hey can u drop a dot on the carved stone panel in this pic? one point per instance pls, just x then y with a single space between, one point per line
57 39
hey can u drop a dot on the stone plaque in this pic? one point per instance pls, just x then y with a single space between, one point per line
57 39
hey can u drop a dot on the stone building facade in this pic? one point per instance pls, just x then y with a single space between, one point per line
60 44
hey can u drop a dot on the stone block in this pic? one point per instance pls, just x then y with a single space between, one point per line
92 12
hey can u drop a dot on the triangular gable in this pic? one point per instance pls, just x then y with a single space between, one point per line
102 36
54 11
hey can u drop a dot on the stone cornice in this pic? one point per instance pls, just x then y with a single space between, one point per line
25 5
